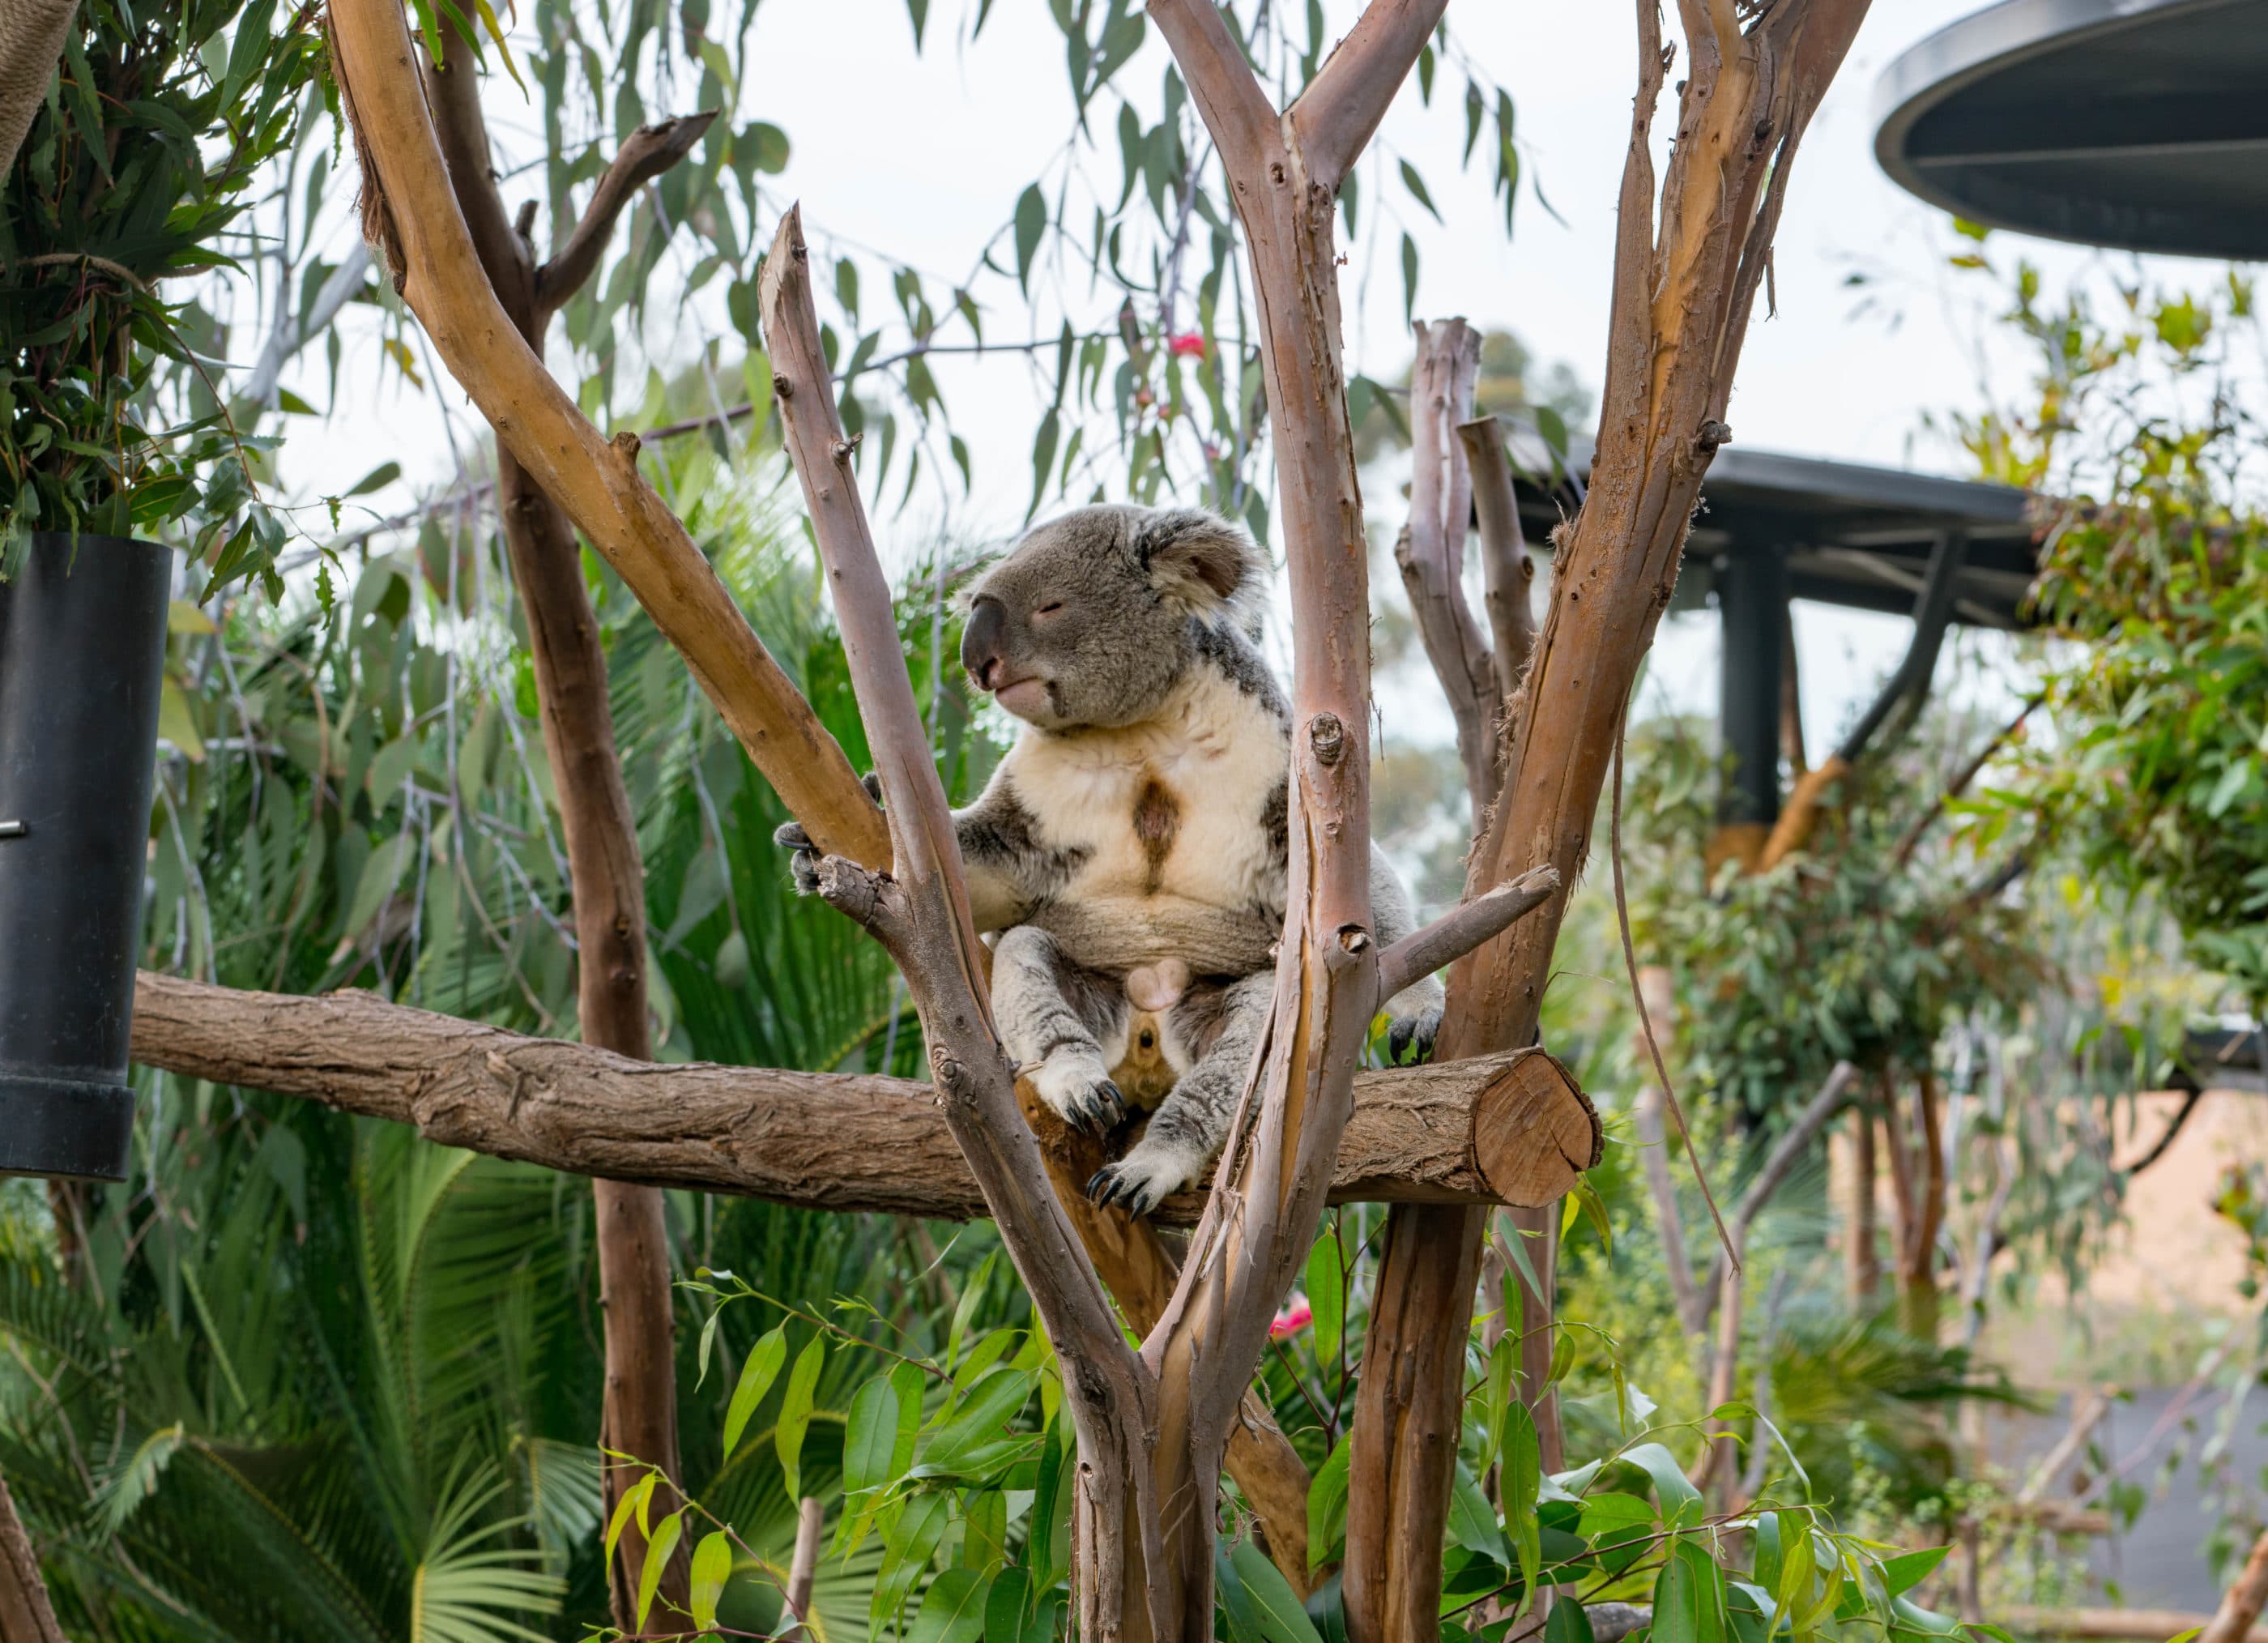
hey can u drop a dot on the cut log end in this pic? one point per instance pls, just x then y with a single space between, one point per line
1535 1131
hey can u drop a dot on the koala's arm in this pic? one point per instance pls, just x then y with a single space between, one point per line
1416 1009
1008 869
988 830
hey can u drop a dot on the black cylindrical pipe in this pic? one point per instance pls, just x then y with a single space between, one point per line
82 661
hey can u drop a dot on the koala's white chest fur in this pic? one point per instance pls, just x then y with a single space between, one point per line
1167 820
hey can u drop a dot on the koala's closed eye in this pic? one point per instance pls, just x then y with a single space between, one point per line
1049 609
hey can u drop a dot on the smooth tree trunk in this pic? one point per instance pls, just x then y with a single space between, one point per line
607 876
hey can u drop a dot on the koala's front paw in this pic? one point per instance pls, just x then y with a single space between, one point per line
803 858
1410 1038
1078 1088
1151 1173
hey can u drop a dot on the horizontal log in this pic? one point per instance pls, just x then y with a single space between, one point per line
818 1140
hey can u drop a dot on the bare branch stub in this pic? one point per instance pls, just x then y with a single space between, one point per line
647 152
1464 928
1508 574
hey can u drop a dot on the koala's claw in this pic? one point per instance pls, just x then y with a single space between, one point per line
1079 1092
1137 1195
1100 1108
1145 1177
1411 1037
803 860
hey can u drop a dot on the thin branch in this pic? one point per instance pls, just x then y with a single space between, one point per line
647 152
1653 1047
1461 929
922 917
1908 682
1834 1095
1333 118
2174 1126
803 1567
340 287
1960 783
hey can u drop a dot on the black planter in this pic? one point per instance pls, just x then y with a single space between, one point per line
82 660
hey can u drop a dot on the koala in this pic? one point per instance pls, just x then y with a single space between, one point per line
1137 832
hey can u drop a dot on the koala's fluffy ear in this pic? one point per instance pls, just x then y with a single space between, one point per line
1199 558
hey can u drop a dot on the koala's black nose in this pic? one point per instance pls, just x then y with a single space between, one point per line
980 641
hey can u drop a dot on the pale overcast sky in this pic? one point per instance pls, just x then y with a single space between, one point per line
923 155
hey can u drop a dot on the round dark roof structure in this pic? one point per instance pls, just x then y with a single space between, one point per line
2141 124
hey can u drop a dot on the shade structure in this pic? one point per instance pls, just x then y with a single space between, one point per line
2140 124
1773 528
1847 533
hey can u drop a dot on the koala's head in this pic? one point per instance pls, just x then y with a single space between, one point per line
1088 620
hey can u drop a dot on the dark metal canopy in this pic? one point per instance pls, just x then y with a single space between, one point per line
1849 535
1772 528
2141 124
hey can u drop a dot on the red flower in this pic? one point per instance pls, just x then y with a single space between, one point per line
1187 345
1296 1316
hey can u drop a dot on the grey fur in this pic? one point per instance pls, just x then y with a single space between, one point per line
1126 638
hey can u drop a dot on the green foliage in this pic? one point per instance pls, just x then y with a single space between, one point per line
2141 423
159 130
1841 952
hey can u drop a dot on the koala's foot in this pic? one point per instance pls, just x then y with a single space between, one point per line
1078 1088
1157 1168
1410 1038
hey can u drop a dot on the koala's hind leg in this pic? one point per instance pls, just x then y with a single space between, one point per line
1211 1036
1067 1024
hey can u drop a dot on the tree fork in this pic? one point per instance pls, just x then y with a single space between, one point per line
1686 273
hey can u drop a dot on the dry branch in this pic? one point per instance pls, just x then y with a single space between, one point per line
646 154
1464 928
410 210
1431 553
1507 573
818 1140
920 913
